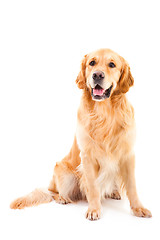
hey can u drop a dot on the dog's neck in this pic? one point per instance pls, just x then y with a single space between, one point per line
115 112
115 109
111 104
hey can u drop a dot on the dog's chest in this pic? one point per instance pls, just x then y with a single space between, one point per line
103 133
107 133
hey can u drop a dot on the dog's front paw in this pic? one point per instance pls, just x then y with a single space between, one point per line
142 212
93 214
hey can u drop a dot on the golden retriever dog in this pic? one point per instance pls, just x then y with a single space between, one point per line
101 162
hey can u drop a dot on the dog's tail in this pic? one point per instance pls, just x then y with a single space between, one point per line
34 198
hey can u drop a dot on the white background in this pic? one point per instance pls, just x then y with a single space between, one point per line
41 46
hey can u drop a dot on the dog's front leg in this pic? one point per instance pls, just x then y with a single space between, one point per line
127 172
92 192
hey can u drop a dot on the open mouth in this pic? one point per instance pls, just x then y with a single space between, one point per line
99 93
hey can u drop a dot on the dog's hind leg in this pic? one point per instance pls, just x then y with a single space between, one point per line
114 195
65 183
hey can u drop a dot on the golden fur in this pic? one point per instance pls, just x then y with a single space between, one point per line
101 162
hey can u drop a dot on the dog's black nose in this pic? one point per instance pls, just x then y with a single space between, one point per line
98 76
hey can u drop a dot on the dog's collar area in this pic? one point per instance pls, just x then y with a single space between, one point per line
99 94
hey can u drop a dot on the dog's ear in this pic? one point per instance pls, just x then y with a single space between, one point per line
81 78
126 80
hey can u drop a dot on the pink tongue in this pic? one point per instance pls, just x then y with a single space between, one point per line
98 92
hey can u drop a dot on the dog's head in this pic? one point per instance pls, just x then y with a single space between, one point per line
103 73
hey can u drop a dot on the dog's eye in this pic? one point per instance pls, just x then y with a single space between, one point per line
92 63
111 65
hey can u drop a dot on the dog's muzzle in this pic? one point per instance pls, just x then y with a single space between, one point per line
98 92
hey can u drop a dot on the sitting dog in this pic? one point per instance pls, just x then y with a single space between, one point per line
101 162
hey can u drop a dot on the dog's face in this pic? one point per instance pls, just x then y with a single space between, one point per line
104 72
